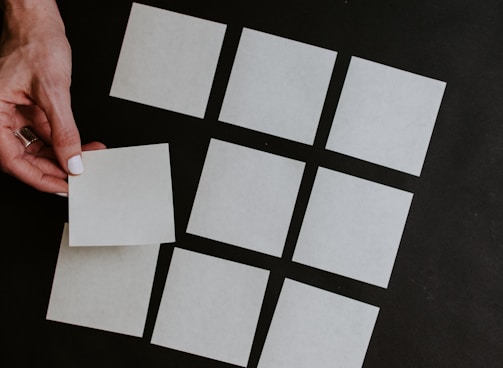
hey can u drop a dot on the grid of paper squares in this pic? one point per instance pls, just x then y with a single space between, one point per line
168 60
245 197
315 328
277 86
352 227
210 307
124 197
106 288
386 116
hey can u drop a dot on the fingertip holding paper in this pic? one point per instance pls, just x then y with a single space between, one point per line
123 198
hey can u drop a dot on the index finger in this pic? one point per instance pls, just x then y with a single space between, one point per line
55 101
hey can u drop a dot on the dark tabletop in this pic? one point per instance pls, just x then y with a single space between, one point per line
444 303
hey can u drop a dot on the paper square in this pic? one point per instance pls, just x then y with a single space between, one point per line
210 307
352 227
123 197
386 116
245 197
106 288
315 328
168 60
277 86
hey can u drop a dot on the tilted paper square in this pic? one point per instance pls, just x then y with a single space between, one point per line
278 86
386 116
245 197
352 227
123 197
168 60
106 288
210 307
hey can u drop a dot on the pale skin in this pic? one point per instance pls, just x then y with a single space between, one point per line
35 77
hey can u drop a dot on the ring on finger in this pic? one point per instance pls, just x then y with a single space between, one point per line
26 136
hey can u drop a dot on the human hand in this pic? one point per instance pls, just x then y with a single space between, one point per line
35 77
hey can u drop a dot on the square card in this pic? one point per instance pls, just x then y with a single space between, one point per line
105 288
245 197
123 197
210 307
278 86
352 227
315 328
386 116
168 60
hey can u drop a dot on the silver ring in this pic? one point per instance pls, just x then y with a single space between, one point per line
26 136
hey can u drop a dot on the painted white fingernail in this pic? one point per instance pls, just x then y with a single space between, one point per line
62 194
75 165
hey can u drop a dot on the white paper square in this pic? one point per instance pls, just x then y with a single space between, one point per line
315 328
123 197
168 60
245 197
210 307
352 227
386 116
106 288
277 86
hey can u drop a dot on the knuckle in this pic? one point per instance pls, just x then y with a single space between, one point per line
56 84
65 137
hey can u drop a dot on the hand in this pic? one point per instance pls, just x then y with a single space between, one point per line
35 77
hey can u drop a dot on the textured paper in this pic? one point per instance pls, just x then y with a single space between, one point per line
386 116
315 328
277 86
210 307
106 288
123 197
245 197
168 60
352 227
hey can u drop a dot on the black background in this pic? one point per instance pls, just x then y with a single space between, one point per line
444 303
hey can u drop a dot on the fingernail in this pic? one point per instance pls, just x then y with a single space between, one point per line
62 194
75 165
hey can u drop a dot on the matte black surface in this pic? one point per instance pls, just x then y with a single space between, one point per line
444 303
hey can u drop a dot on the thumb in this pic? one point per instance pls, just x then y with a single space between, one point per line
56 103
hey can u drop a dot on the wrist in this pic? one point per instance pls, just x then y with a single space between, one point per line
21 17
25 5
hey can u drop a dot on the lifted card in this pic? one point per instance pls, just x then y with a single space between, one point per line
123 197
